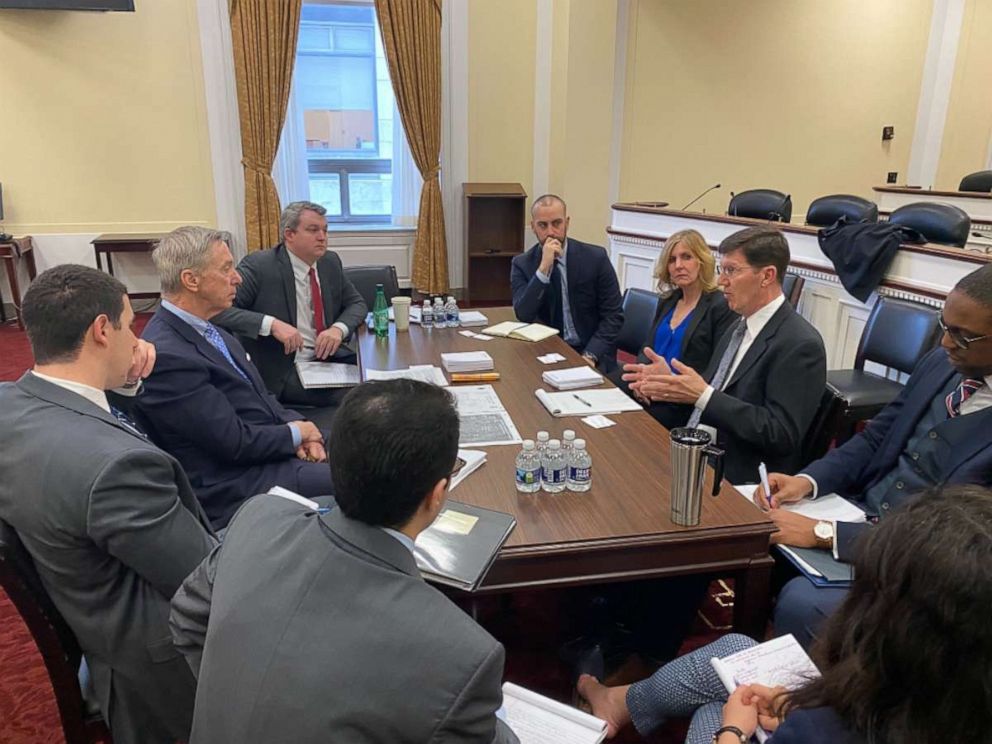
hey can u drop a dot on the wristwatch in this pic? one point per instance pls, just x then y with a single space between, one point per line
824 534
730 730
590 356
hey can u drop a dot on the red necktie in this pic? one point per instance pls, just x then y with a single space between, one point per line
317 303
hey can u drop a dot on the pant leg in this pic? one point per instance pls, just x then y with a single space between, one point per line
682 686
803 606
705 722
313 479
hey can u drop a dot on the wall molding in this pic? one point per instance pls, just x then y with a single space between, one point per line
542 98
454 130
619 97
935 91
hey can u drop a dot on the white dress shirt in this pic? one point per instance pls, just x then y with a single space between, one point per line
755 324
304 309
94 396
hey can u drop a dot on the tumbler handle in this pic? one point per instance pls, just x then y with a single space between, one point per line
714 456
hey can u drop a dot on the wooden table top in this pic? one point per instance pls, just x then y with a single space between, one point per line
628 506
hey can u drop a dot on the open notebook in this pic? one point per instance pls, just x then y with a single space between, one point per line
586 402
522 331
537 719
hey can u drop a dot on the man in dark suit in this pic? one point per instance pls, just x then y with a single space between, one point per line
345 640
936 432
569 285
110 520
294 303
767 374
206 403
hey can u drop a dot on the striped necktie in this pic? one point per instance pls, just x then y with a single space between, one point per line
736 339
217 341
960 394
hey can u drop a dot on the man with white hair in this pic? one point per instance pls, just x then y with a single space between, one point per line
206 403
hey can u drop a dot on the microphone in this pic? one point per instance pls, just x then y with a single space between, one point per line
711 188
777 216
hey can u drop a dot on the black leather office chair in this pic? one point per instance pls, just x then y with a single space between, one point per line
762 204
639 308
897 335
53 637
826 210
364 278
938 223
792 288
977 181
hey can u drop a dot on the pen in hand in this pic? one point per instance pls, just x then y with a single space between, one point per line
582 400
763 474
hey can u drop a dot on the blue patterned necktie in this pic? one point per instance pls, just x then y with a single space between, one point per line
127 423
960 394
217 341
736 338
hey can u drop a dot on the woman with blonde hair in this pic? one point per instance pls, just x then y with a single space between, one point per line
692 313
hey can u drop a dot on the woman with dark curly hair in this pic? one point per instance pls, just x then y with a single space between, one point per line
906 659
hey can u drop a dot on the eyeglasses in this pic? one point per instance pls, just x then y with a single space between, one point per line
959 339
731 271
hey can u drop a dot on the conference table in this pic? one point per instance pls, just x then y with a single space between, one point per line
621 529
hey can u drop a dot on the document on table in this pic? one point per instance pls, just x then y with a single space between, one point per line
327 374
537 719
827 508
483 419
587 402
422 372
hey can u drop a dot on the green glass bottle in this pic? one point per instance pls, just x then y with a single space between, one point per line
380 313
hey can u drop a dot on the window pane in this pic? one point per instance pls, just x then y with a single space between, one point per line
353 39
370 193
325 189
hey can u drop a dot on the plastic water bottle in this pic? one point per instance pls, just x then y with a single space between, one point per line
528 468
579 467
451 312
427 315
440 319
554 469
567 437
380 313
542 442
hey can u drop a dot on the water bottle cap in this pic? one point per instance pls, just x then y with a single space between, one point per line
579 444
528 444
378 287
554 444
568 435
542 436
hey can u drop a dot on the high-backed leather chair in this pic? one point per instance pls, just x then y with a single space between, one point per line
939 223
53 637
364 279
762 204
792 288
826 210
639 308
977 181
897 335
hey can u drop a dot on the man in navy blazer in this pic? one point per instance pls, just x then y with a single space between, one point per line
936 432
294 303
205 402
568 285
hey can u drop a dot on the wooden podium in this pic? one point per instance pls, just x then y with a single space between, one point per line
495 216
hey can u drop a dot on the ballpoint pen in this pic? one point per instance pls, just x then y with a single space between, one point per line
582 400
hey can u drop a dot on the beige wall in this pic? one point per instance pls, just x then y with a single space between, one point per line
786 95
103 125
968 130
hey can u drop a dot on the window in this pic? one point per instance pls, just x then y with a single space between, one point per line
342 87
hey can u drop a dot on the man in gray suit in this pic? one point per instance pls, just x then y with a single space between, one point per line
109 519
295 303
312 627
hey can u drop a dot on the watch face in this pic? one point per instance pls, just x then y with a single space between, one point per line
823 530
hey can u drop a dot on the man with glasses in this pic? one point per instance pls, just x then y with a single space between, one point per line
762 387
935 433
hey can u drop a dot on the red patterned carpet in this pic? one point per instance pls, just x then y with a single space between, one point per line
28 714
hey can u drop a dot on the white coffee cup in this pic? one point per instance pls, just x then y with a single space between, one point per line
401 312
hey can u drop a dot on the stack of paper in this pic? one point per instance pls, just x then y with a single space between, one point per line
327 374
422 372
573 377
467 361
587 403
472 318
467 463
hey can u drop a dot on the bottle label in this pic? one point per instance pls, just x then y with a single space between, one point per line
528 477
557 475
578 475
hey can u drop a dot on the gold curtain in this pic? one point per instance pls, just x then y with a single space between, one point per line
263 34
411 36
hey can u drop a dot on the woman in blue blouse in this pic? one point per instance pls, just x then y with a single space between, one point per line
692 313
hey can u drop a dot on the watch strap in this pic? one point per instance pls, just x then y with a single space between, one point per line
730 730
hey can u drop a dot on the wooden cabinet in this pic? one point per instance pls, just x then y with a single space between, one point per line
495 216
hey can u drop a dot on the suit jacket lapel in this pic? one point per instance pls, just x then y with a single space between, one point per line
966 441
760 343
697 314
288 281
